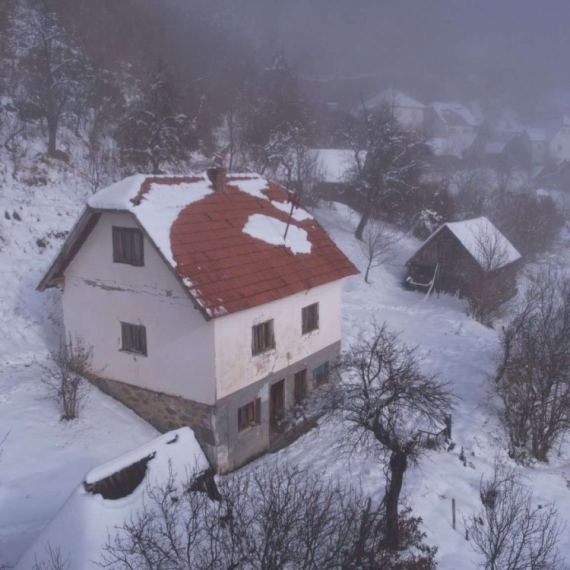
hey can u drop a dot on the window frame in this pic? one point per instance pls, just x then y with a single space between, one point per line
268 337
128 336
253 406
324 378
120 235
306 321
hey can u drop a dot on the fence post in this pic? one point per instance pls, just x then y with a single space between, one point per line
453 512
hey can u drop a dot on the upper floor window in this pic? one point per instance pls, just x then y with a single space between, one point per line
310 318
128 246
133 338
262 337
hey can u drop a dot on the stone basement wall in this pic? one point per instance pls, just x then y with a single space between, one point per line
164 412
215 427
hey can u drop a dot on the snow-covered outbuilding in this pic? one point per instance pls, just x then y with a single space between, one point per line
199 310
459 256
112 494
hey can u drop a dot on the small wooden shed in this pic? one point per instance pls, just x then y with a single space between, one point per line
462 257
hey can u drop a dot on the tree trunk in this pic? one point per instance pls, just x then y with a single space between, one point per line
155 165
52 135
398 465
362 224
368 272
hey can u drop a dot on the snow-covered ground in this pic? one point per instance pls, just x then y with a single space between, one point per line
44 460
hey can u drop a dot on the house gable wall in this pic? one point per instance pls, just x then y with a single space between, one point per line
236 368
99 295
561 138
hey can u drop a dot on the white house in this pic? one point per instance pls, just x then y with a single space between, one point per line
199 312
408 110
446 119
551 143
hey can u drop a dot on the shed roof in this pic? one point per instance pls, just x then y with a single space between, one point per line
473 234
226 247
81 527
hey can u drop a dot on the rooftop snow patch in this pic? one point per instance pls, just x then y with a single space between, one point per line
80 529
299 215
272 231
250 184
471 234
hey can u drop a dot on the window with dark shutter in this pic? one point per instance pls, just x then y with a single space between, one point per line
128 246
133 338
249 415
310 316
262 337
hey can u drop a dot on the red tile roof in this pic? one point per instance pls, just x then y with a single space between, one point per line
224 269
228 270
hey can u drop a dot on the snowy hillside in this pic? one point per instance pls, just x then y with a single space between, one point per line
44 460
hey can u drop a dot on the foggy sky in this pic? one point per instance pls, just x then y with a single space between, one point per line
515 48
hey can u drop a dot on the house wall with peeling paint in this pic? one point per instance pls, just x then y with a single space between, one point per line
236 368
99 294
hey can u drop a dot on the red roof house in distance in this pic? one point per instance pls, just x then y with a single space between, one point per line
211 301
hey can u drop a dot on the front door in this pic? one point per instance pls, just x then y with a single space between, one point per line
276 404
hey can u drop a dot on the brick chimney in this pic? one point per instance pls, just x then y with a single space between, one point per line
217 176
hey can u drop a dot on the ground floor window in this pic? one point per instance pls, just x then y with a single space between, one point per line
133 338
321 374
249 415
300 386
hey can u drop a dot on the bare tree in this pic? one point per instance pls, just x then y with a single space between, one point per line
54 560
378 245
510 533
386 399
64 375
54 66
265 519
389 159
533 374
493 284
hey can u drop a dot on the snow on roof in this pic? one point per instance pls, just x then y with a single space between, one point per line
454 145
201 235
159 207
393 96
472 232
454 114
334 164
536 134
81 527
272 231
